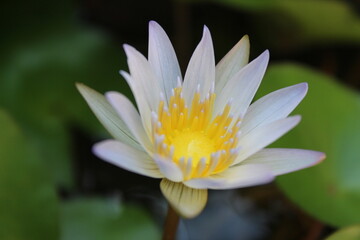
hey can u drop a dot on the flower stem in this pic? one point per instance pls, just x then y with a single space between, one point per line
171 224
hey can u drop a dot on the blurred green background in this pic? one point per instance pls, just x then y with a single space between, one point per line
52 187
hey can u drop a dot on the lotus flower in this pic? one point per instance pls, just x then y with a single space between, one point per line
199 131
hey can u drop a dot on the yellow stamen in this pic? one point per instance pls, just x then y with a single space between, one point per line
199 145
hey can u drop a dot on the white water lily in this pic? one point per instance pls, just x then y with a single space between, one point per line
199 132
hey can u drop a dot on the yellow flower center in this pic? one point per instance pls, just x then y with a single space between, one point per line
193 145
200 143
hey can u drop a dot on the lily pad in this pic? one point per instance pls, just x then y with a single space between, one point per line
28 204
95 219
292 23
330 113
38 89
348 233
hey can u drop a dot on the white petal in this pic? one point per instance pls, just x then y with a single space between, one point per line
141 101
281 161
131 117
127 157
163 59
169 169
188 202
234 177
274 106
233 61
263 136
201 68
242 87
107 116
144 80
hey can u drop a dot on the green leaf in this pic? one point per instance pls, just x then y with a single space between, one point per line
39 16
330 123
99 219
292 23
38 88
348 233
28 205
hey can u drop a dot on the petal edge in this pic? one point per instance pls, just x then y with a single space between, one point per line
126 157
283 160
107 115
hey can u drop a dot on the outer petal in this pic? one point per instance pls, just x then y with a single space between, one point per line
233 61
107 116
163 59
169 169
281 161
142 74
188 202
274 106
131 117
127 157
263 136
234 177
144 82
242 87
141 101
201 69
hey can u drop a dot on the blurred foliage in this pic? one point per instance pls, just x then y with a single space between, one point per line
95 219
38 88
46 50
348 233
292 23
30 210
41 63
28 204
330 123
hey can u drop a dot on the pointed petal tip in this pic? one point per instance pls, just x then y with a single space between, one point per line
320 156
300 88
98 148
123 73
296 119
206 33
304 87
79 85
262 59
266 54
244 42
153 23
128 48
154 26
313 159
205 29
111 95
84 90
125 46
